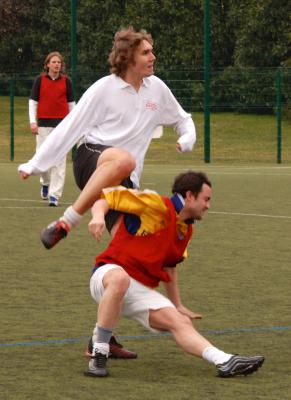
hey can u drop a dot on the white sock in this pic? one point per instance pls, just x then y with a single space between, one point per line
71 217
215 356
102 348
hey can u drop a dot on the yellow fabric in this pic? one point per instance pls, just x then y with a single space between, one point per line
147 204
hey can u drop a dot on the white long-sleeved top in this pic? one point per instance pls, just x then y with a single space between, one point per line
111 112
32 109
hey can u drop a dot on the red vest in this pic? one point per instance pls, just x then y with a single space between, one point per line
53 103
144 257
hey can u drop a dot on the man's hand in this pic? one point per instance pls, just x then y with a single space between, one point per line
185 311
97 227
178 147
23 175
34 128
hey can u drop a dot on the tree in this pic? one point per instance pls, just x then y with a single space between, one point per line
243 33
264 37
14 49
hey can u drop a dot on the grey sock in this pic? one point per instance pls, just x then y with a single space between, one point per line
103 335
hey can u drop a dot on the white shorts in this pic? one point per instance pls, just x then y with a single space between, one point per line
138 300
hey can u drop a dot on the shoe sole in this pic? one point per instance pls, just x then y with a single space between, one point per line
244 370
46 237
93 375
89 355
46 244
120 357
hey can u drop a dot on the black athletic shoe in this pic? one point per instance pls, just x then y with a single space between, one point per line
97 366
238 365
53 233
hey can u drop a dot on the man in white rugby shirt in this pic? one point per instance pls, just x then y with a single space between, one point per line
114 123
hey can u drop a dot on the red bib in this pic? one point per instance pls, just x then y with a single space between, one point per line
53 103
144 257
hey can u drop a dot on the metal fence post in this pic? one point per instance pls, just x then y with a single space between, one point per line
279 114
73 42
207 81
11 95
74 49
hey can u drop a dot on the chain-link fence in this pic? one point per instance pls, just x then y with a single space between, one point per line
250 113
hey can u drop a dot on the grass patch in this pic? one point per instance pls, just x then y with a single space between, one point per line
237 276
235 138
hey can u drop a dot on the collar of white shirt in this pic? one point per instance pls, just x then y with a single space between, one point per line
123 84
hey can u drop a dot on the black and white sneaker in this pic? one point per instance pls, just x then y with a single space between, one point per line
53 233
97 364
238 365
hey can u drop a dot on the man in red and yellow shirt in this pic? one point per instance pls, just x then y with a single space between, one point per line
150 241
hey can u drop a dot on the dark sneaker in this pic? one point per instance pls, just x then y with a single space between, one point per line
44 192
97 366
116 350
53 201
53 233
238 365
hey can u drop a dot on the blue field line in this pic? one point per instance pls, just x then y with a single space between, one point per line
151 336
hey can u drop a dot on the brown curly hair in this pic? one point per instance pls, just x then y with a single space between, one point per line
125 43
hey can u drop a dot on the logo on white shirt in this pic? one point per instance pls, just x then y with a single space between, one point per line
150 105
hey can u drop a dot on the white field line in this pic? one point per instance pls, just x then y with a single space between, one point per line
210 212
29 201
198 165
35 207
24 208
250 215
209 171
229 167
225 170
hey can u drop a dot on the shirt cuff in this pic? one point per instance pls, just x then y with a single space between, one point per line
27 168
185 146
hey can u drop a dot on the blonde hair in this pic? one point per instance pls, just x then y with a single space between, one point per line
50 56
125 43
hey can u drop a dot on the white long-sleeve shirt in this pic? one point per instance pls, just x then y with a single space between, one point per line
32 109
111 112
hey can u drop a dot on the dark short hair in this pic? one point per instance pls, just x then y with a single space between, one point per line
125 43
190 180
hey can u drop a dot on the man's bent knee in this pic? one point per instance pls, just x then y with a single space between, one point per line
120 156
125 164
117 279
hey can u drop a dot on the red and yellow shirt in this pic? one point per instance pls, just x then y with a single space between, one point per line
150 236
